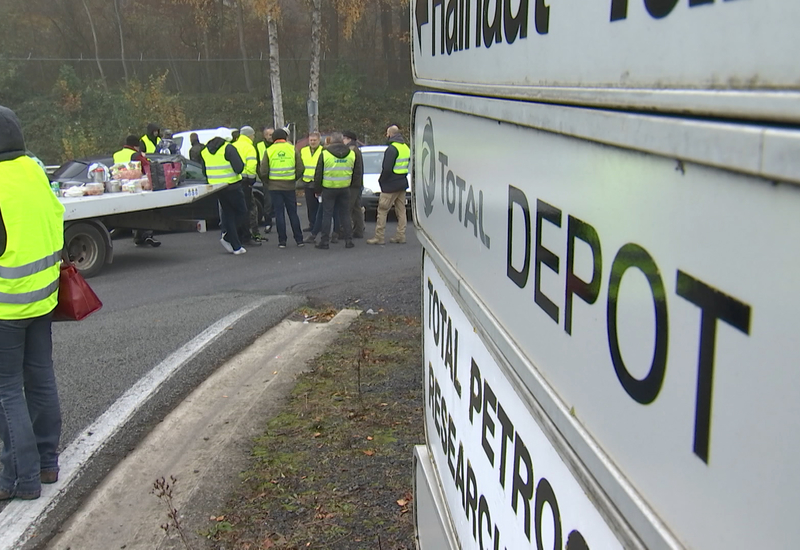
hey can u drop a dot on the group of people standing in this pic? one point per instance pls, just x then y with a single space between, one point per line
331 177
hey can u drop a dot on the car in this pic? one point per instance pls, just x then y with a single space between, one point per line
76 172
373 162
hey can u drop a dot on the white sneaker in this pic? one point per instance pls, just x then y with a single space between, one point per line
225 244
242 250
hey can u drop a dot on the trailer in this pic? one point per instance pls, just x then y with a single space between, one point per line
88 220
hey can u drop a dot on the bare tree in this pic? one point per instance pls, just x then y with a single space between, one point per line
275 72
96 48
121 40
313 80
242 46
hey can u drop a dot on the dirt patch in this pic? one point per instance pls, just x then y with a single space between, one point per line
333 469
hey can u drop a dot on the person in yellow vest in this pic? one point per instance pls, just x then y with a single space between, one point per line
394 182
248 233
281 168
310 156
222 163
149 142
127 152
261 152
31 239
333 178
356 212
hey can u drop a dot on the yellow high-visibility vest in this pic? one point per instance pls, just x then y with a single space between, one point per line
149 146
218 169
281 161
337 172
310 161
123 155
248 153
34 222
403 158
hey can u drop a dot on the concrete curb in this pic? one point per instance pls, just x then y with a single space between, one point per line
195 441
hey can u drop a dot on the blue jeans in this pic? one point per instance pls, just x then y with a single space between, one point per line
30 414
285 203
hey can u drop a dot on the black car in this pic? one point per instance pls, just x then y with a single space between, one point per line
76 172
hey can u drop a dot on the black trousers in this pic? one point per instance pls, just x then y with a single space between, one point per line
336 200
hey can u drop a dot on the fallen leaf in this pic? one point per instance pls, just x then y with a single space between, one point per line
402 502
274 372
317 434
220 518
369 453
369 438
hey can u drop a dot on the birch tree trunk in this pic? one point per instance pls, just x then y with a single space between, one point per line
242 46
313 80
121 40
96 49
206 51
275 72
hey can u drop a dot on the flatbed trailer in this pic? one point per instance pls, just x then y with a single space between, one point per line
89 219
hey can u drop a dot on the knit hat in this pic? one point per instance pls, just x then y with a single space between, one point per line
350 135
247 131
279 133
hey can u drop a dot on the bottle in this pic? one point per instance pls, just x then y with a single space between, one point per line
55 188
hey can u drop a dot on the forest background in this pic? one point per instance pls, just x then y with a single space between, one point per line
83 74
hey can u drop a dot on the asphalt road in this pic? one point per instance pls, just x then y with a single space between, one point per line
158 299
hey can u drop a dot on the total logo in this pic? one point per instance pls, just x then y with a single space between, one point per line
461 200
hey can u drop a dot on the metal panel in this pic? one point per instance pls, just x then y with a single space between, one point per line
431 518
506 482
732 58
672 343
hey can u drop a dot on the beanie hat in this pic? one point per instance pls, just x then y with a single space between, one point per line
247 131
350 135
280 133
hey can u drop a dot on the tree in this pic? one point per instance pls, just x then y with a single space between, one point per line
121 40
313 80
270 9
242 46
96 49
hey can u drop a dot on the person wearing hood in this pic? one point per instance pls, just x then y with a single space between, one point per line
394 182
356 212
149 141
244 144
31 242
222 163
280 169
334 177
194 152
167 145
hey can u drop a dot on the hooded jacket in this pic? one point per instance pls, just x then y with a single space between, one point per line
338 150
151 133
389 181
231 155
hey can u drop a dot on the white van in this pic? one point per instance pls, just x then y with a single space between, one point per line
184 144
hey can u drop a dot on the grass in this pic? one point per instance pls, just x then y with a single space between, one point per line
333 469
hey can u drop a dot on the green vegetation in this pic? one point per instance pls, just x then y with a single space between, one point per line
78 119
333 470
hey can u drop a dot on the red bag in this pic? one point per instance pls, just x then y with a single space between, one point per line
76 299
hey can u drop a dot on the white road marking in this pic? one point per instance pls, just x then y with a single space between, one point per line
18 521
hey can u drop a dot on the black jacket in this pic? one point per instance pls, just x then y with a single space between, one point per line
358 169
389 181
231 155
338 150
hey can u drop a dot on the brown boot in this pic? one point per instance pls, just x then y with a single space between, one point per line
398 240
374 241
48 476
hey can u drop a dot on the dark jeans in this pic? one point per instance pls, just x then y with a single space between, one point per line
336 200
356 214
30 414
231 200
285 203
312 206
316 228
250 224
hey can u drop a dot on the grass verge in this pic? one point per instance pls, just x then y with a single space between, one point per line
333 469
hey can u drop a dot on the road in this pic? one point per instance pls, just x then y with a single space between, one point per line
156 300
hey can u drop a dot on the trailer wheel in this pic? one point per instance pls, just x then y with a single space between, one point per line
86 248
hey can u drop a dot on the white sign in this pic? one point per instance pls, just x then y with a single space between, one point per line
525 47
657 298
505 484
